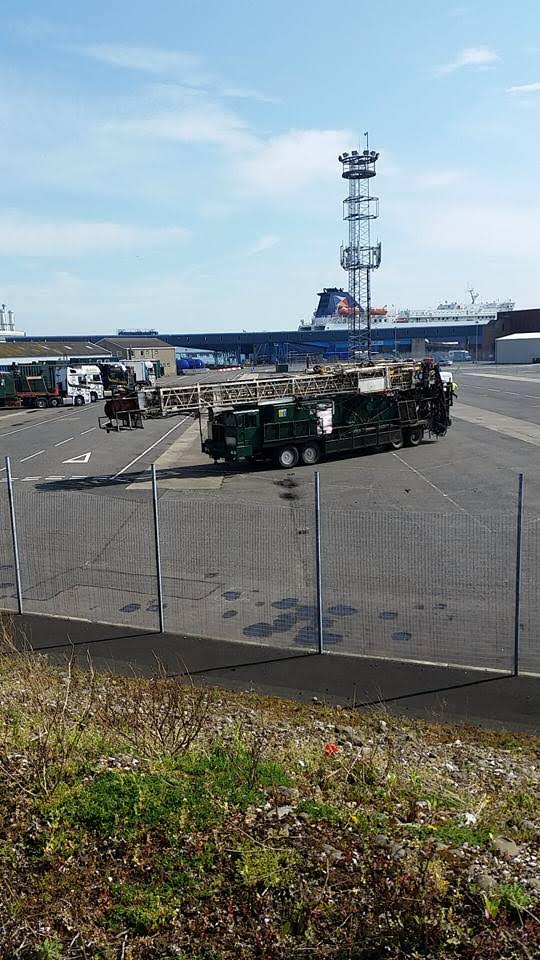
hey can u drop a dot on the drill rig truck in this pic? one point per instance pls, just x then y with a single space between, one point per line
302 418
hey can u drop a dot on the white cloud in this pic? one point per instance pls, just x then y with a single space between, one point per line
21 235
243 93
266 242
293 161
201 122
184 67
271 167
469 57
525 88
187 66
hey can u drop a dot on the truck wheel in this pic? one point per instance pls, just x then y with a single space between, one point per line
39 402
397 444
93 397
287 457
310 454
414 436
78 401
54 402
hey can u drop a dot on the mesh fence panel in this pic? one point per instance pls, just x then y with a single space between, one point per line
530 599
421 587
437 588
88 557
8 595
239 571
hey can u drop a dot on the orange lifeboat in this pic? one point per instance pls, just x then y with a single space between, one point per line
378 311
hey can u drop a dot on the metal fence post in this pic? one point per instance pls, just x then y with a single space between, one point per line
519 545
14 534
158 549
318 564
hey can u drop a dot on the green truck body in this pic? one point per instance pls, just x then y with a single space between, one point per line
28 389
44 370
7 390
309 430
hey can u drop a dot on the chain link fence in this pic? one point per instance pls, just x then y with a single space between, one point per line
90 558
8 586
530 598
432 588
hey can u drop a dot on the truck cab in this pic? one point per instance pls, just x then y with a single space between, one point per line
79 384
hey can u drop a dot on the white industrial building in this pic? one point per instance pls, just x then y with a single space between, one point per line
7 323
518 348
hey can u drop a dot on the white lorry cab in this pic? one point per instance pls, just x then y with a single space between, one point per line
78 385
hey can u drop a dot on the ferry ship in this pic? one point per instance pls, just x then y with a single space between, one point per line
335 308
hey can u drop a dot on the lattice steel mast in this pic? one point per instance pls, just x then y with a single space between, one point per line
360 256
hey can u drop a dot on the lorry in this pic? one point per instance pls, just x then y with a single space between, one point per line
78 384
143 372
59 384
460 356
25 390
302 419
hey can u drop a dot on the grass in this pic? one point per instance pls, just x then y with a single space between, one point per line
149 820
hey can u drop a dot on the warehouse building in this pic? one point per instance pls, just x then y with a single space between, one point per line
143 348
518 348
509 322
38 351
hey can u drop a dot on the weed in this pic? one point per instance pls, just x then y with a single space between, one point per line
196 793
159 718
117 803
455 834
142 909
50 949
321 811
506 896
50 720
266 865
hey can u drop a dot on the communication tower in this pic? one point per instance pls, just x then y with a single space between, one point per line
359 257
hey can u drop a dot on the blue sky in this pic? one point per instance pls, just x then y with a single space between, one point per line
174 164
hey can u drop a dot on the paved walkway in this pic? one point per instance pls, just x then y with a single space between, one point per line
435 693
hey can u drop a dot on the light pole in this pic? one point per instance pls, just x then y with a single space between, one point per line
477 341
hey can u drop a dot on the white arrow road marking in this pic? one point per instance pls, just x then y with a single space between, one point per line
84 458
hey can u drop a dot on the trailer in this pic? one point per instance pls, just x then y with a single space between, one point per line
303 418
25 390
